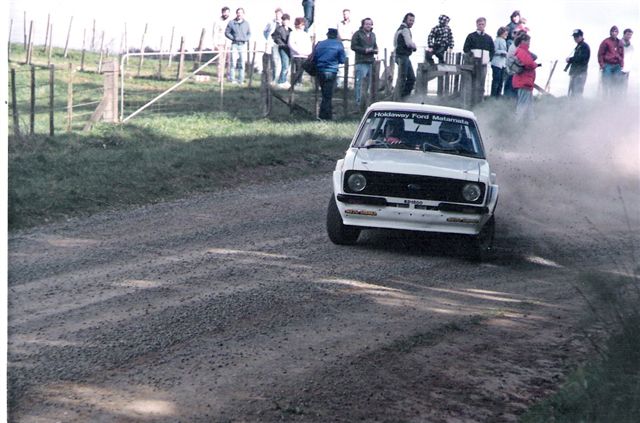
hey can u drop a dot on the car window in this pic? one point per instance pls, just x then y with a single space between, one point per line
420 131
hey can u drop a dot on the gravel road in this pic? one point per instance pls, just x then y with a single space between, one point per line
234 305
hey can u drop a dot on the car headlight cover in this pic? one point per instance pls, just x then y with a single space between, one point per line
357 182
471 192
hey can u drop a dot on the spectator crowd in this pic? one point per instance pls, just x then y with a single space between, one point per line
509 56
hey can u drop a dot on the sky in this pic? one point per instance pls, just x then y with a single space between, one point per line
551 22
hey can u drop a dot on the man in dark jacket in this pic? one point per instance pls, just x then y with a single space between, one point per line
364 44
404 47
328 55
440 40
578 64
480 44
239 32
281 39
611 61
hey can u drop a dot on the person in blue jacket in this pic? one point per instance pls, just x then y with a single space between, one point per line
328 55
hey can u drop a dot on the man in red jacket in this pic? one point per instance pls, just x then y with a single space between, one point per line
611 60
524 81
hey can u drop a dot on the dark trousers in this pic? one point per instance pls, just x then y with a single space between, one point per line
509 91
308 15
406 75
497 81
576 84
326 80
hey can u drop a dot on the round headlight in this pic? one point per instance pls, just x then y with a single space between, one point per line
357 182
471 192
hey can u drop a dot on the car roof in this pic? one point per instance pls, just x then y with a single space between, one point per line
415 107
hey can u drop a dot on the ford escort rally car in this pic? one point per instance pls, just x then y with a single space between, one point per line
415 167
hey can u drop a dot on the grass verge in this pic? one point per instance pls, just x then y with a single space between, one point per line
606 389
114 167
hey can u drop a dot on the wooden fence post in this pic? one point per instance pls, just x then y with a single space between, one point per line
171 47
93 36
46 35
196 63
253 61
66 44
32 108
9 39
70 98
29 45
16 121
24 29
181 63
265 88
101 53
142 49
50 45
160 59
345 90
84 39
52 75
375 81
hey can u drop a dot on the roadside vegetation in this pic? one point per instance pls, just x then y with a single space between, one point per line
159 156
607 388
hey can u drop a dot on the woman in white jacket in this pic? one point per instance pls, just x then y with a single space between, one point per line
300 47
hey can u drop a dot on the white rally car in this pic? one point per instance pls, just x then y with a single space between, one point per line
415 167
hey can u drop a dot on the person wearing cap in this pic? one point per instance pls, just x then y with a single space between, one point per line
577 65
403 47
329 55
364 44
611 61
440 39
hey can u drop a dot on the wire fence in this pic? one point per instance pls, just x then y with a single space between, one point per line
50 100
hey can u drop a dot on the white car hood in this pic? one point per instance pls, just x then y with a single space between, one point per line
419 163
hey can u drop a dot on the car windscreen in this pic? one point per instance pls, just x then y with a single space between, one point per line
420 131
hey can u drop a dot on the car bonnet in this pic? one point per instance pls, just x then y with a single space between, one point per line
418 163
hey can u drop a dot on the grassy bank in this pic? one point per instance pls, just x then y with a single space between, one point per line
606 389
111 167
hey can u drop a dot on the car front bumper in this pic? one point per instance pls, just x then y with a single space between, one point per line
414 215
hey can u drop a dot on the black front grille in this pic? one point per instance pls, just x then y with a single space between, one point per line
413 186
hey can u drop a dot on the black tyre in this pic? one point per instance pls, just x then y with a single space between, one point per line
482 244
338 232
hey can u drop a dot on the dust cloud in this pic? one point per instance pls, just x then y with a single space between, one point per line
571 173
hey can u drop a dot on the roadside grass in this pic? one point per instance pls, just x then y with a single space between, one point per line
194 141
115 167
607 388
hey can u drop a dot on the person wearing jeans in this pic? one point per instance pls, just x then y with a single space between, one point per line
239 32
329 54
499 62
404 47
281 39
364 44
611 61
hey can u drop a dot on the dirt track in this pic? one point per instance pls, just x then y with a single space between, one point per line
234 306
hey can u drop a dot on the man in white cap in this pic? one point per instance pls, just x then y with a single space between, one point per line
577 65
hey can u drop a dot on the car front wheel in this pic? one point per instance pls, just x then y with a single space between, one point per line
482 244
338 232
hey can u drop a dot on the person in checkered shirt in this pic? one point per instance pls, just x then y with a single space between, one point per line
440 39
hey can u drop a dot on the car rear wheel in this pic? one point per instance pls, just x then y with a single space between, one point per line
482 244
338 232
